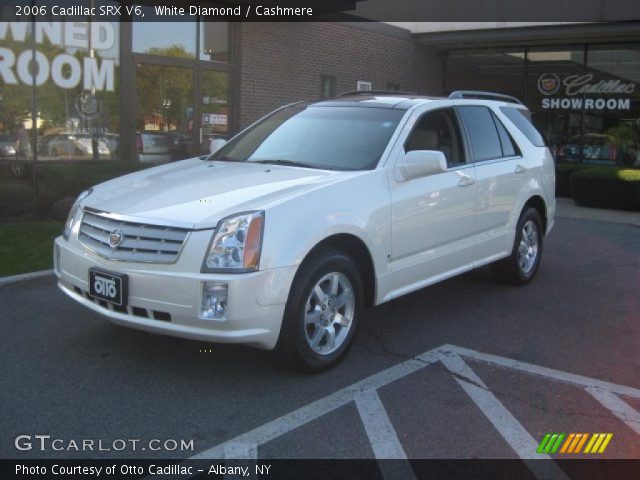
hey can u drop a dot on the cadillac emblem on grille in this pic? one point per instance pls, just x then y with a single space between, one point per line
115 238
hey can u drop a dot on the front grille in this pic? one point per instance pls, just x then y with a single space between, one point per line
140 243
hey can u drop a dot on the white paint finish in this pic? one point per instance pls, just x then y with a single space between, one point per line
617 406
509 428
24 276
556 375
503 421
379 428
382 436
418 232
306 414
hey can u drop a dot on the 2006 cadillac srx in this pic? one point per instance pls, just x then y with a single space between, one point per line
280 237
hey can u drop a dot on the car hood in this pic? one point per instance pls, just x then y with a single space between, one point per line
197 193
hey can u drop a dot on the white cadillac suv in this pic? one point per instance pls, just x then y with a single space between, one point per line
283 235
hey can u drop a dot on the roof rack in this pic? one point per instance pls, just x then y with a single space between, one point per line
479 94
375 92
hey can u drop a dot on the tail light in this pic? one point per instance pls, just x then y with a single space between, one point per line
139 145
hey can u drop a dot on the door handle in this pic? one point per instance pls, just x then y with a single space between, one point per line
466 181
521 169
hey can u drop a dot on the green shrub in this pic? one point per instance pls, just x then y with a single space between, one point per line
563 173
16 201
607 187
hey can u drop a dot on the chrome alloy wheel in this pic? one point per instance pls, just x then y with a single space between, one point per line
329 313
528 248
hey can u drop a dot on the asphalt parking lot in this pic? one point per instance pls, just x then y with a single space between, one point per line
430 376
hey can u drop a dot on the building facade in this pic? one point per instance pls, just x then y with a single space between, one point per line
78 92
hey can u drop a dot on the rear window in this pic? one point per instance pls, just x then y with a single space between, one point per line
521 120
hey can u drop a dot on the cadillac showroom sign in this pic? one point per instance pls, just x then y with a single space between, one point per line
65 70
581 91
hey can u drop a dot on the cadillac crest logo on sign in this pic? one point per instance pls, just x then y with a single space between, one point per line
548 83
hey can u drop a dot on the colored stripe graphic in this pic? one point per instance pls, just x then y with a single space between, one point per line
550 443
598 442
574 443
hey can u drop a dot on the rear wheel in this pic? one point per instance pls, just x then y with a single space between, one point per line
522 265
322 312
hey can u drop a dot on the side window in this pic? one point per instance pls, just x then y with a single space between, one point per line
485 143
509 148
522 119
438 130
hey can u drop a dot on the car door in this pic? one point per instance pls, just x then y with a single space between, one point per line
432 220
501 173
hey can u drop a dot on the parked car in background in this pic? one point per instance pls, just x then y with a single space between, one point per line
8 152
281 237
7 147
597 148
153 146
180 144
112 141
43 143
76 145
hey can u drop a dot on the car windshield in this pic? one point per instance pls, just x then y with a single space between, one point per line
325 137
4 137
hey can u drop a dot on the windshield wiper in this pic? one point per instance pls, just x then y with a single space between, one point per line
291 163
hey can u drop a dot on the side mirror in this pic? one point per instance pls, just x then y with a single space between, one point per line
216 144
420 163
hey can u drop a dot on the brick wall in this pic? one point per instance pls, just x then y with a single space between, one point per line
283 62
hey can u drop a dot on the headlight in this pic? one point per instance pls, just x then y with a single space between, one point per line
236 244
71 218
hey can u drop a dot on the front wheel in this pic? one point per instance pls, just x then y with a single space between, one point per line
522 265
322 312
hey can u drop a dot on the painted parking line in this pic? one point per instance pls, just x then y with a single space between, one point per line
381 433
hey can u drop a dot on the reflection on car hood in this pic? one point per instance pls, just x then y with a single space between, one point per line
198 193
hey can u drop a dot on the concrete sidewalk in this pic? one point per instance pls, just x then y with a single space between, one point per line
566 207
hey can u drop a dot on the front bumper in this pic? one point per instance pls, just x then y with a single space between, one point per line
166 299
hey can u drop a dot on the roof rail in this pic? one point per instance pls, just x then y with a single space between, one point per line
375 92
478 94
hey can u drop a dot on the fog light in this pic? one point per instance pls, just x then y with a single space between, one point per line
214 300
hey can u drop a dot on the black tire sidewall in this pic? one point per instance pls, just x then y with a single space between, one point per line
533 215
293 341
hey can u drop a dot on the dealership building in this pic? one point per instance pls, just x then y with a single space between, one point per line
161 91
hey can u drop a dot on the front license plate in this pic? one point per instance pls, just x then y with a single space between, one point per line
111 287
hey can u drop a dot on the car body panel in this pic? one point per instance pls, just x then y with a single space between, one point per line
416 232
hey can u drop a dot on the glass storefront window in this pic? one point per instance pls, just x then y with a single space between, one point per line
76 89
556 109
214 107
612 128
165 115
17 132
214 41
167 39
496 70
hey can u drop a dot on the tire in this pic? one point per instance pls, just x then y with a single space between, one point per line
521 266
310 315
